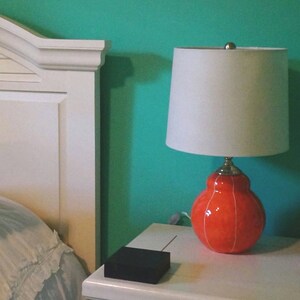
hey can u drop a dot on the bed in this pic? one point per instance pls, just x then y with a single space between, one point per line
49 94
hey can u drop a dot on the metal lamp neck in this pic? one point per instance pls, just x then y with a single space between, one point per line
228 168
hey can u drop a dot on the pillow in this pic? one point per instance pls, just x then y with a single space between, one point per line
29 252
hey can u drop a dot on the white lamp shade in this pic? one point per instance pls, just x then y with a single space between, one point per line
229 102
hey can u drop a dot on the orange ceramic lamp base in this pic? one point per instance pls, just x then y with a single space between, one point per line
227 217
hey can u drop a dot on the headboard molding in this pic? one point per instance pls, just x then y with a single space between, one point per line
55 54
48 91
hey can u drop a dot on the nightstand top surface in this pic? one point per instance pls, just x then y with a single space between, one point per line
271 270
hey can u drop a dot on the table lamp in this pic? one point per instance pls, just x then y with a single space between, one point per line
229 102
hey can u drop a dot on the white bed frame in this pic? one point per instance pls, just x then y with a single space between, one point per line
48 89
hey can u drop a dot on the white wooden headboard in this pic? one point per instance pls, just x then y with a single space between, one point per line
48 89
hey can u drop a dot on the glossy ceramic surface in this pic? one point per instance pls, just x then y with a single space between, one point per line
227 216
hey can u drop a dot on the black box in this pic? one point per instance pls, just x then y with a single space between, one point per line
135 264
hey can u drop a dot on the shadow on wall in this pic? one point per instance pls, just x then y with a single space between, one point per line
293 161
290 160
290 222
120 75
289 219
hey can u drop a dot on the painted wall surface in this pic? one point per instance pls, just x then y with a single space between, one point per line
143 181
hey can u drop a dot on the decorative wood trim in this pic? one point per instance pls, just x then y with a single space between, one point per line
57 54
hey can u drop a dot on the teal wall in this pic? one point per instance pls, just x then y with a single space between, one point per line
143 181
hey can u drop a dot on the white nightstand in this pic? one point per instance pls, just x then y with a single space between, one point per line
271 270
